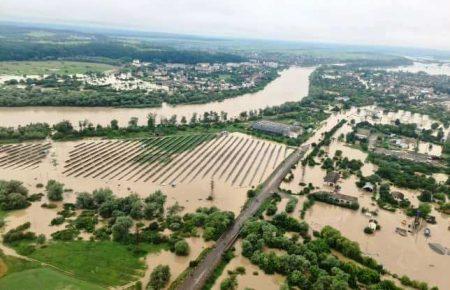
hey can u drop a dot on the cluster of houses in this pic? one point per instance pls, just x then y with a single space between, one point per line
202 76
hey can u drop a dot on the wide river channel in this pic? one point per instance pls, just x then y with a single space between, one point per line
292 85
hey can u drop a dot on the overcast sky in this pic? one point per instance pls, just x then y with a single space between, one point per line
420 23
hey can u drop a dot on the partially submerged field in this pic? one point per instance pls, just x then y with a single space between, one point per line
20 68
193 170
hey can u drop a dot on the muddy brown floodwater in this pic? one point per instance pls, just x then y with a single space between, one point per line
292 85
402 255
408 255
234 162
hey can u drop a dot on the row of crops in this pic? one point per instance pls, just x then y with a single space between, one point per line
21 156
233 158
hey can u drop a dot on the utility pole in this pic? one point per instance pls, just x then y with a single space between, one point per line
211 193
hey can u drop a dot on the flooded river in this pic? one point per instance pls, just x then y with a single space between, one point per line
429 68
292 85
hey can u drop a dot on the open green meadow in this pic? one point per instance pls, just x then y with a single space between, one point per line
16 273
103 263
51 67
44 278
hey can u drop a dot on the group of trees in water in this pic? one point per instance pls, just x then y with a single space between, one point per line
124 218
310 265
408 174
208 121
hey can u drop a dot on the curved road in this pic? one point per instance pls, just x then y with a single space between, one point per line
204 269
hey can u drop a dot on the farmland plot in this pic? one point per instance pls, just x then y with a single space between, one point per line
234 158
23 155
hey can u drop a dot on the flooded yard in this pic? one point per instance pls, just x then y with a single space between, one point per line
409 255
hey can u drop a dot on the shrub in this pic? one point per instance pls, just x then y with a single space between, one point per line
49 205
57 220
240 270
290 206
19 234
271 209
66 235
229 283
41 239
159 277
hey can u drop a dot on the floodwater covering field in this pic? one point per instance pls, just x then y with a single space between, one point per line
234 158
185 168
292 85
188 169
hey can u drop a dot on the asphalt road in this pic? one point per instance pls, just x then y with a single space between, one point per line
205 268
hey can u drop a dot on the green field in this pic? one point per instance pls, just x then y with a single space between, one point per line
50 67
16 273
43 278
102 263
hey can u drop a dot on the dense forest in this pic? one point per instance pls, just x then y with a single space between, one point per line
18 50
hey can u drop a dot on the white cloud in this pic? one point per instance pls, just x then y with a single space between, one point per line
386 22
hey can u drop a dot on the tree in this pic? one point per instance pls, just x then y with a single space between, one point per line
154 205
328 164
102 195
424 209
193 120
297 278
182 248
133 122
54 190
159 277
13 195
63 127
121 228
114 124
85 200
425 196
151 121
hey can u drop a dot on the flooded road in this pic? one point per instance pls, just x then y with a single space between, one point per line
292 85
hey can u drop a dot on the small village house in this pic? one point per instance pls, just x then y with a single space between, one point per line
332 178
